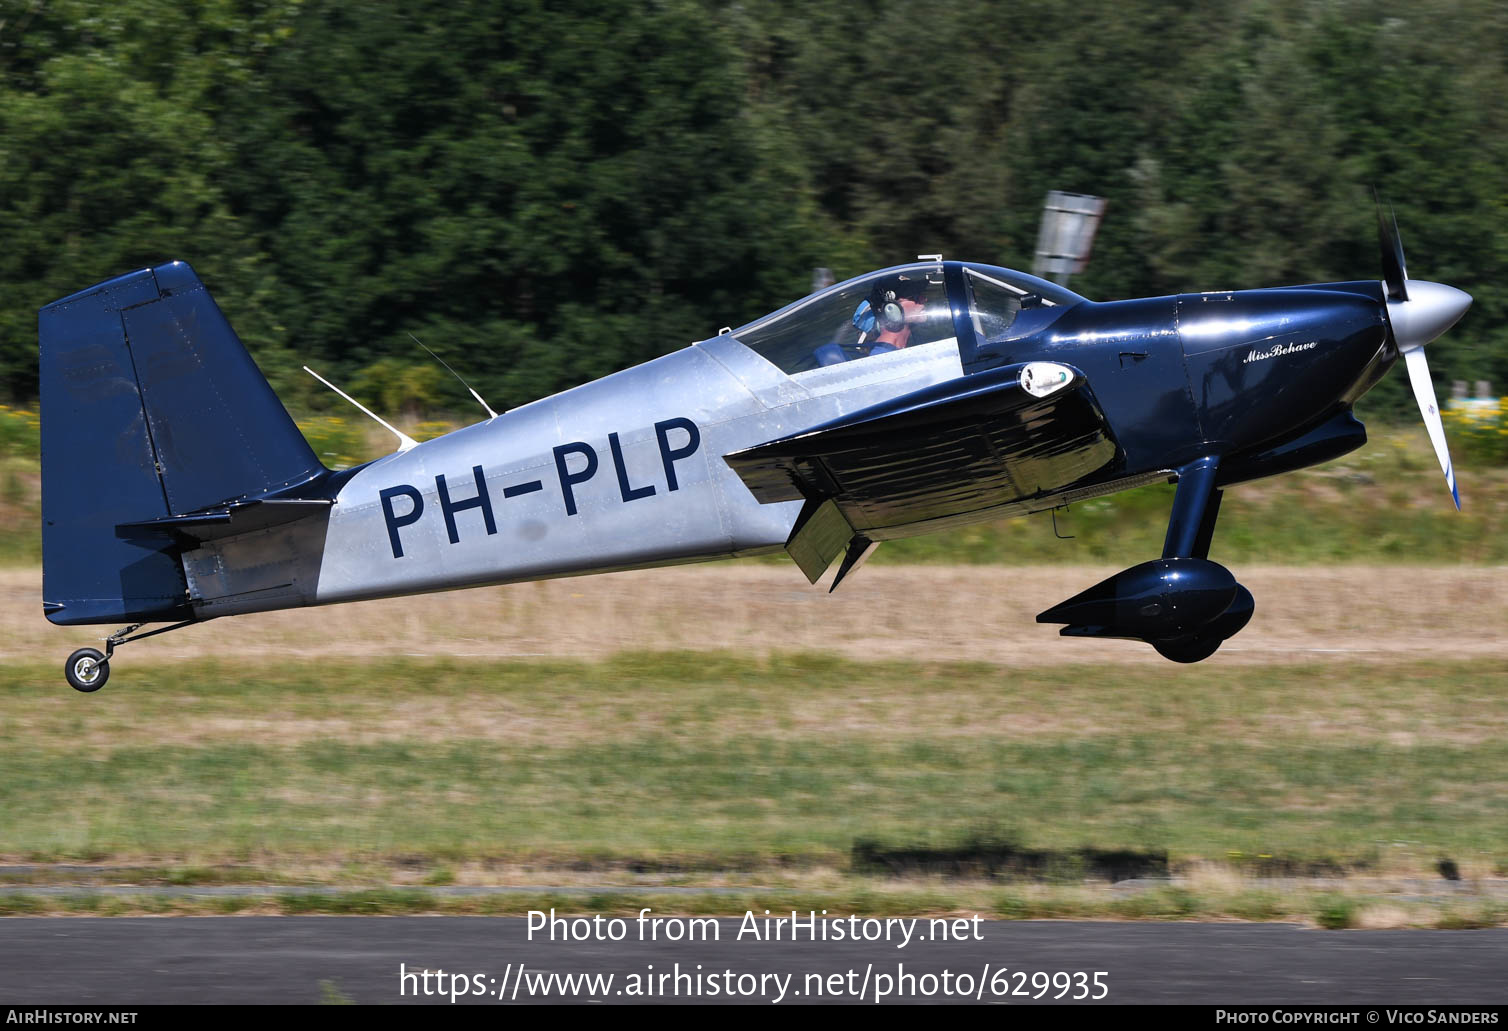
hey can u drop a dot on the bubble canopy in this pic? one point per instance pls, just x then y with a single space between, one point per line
882 312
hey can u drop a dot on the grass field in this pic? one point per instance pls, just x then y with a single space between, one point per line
770 772
714 762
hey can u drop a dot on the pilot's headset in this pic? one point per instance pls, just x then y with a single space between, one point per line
884 301
888 315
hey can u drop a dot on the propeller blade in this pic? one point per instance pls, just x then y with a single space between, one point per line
1424 393
1394 270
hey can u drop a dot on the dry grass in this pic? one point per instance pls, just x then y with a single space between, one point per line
1403 708
977 613
1385 916
1364 904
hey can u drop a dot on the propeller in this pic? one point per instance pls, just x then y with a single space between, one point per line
1424 393
1419 311
1395 272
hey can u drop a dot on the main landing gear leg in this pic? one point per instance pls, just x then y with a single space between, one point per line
88 669
1191 527
1196 505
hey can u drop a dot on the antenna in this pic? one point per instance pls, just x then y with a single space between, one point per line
404 440
457 375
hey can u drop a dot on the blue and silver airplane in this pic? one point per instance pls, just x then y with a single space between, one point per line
177 489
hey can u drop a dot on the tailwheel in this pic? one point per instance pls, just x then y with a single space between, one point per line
87 670
1189 649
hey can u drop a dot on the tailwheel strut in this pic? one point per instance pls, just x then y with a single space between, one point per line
88 669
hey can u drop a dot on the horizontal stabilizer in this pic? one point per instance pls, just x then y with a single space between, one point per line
212 524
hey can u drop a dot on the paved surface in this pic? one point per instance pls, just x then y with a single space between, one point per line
84 961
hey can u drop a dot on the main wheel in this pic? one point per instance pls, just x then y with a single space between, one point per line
87 670
1189 649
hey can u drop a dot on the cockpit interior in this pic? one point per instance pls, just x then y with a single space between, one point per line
970 306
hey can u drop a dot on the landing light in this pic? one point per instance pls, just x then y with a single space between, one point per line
1042 378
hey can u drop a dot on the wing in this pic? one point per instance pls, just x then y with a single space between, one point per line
970 448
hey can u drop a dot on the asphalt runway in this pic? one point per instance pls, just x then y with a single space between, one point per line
125 961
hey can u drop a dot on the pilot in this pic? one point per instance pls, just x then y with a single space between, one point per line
884 320
898 305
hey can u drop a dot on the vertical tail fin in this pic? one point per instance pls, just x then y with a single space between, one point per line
151 408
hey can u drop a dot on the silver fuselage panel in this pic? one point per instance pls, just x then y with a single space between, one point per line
626 471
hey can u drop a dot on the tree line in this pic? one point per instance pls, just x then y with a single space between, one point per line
544 191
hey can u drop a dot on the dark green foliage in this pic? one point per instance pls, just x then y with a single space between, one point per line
547 192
